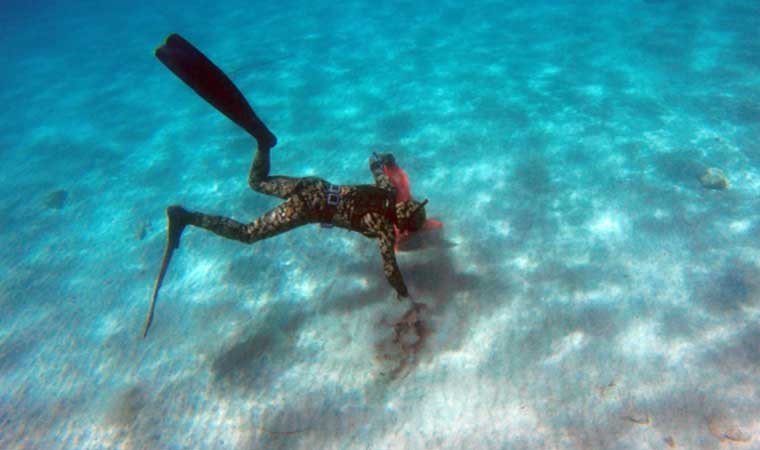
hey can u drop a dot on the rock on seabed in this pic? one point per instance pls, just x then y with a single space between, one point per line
713 178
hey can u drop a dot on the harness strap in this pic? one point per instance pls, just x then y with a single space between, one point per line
333 199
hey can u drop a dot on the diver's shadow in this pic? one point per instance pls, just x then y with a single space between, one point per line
257 358
400 340
261 356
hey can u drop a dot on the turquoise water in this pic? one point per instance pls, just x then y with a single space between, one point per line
587 291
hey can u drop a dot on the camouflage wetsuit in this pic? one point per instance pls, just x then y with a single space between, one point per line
367 209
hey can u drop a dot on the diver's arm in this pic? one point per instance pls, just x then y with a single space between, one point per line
376 164
390 267
386 238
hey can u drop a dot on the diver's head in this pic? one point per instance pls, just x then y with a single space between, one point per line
410 215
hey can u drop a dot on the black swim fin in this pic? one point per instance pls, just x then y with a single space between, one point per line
205 78
176 224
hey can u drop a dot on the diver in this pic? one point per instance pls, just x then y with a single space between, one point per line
372 210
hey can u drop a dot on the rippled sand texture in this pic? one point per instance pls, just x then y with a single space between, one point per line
590 290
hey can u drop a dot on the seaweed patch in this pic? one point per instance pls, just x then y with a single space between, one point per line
409 336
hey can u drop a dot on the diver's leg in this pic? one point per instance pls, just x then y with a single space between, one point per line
284 217
260 181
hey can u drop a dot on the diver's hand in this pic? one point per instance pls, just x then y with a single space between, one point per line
385 159
374 162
